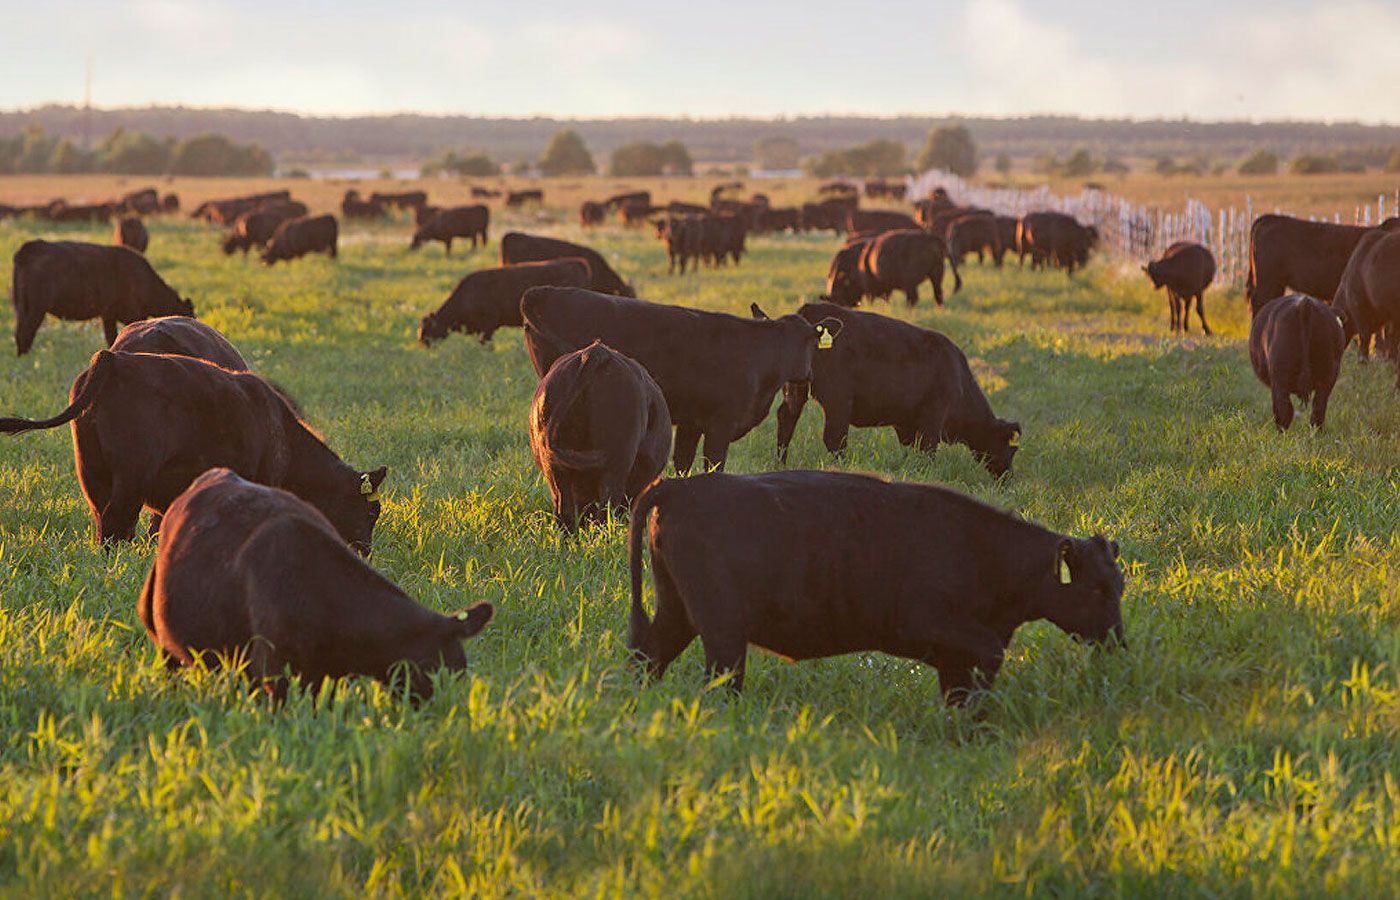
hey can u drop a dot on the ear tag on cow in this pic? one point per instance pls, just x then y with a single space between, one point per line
824 338
1064 572
1015 440
1341 323
367 490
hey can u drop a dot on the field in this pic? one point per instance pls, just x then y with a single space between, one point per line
1244 743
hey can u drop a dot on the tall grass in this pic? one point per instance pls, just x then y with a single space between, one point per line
1245 743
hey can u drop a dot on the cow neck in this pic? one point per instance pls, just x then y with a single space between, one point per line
1027 568
311 465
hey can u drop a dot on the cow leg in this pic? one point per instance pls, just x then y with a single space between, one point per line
117 520
27 324
717 438
794 399
907 434
447 247
1319 406
1283 405
670 631
1201 311
565 504
687 440
961 674
109 329
837 426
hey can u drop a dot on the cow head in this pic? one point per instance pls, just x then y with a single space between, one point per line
1151 270
995 445
842 284
353 506
1080 589
436 643
431 330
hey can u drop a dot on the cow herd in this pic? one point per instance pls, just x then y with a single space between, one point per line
264 529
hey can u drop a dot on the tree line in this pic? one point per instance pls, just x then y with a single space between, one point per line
35 151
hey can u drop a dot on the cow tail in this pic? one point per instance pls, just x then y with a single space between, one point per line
578 460
638 622
953 266
90 387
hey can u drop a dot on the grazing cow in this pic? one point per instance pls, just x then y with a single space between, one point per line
780 218
254 228
457 222
481 193
1056 239
729 234
518 247
131 232
887 372
685 241
145 426
842 188
590 213
813 564
354 207
1369 293
225 212
617 201
400 201
490 298
877 220
170 203
681 208
634 212
902 260
62 211
846 283
252 572
1186 269
975 233
144 202
599 431
727 187
1292 254
515 199
297 237
1295 346
828 214
76 281
180 336
719 373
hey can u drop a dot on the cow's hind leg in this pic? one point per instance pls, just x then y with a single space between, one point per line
1201 312
687 441
1283 405
671 630
27 324
117 520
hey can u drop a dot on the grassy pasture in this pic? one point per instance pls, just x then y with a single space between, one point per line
1245 743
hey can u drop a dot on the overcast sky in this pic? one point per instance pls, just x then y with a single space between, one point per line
1231 59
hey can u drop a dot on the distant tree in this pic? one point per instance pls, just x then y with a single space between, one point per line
567 154
1260 162
643 158
1393 164
1080 163
134 153
777 151
950 147
68 159
215 154
521 167
1313 164
1165 165
1049 164
35 152
676 158
474 165
875 158
1003 164
1115 167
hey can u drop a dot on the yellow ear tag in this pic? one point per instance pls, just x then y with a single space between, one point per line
1064 573
367 490
1015 439
823 338
1341 323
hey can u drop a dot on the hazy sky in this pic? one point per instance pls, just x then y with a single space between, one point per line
1223 59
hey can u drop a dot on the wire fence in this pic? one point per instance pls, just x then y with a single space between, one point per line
1137 232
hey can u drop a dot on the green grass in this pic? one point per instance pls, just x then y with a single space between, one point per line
1246 743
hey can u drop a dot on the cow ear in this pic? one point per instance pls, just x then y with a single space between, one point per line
1062 571
470 622
1113 548
757 312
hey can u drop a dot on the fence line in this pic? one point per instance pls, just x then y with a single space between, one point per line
1138 232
